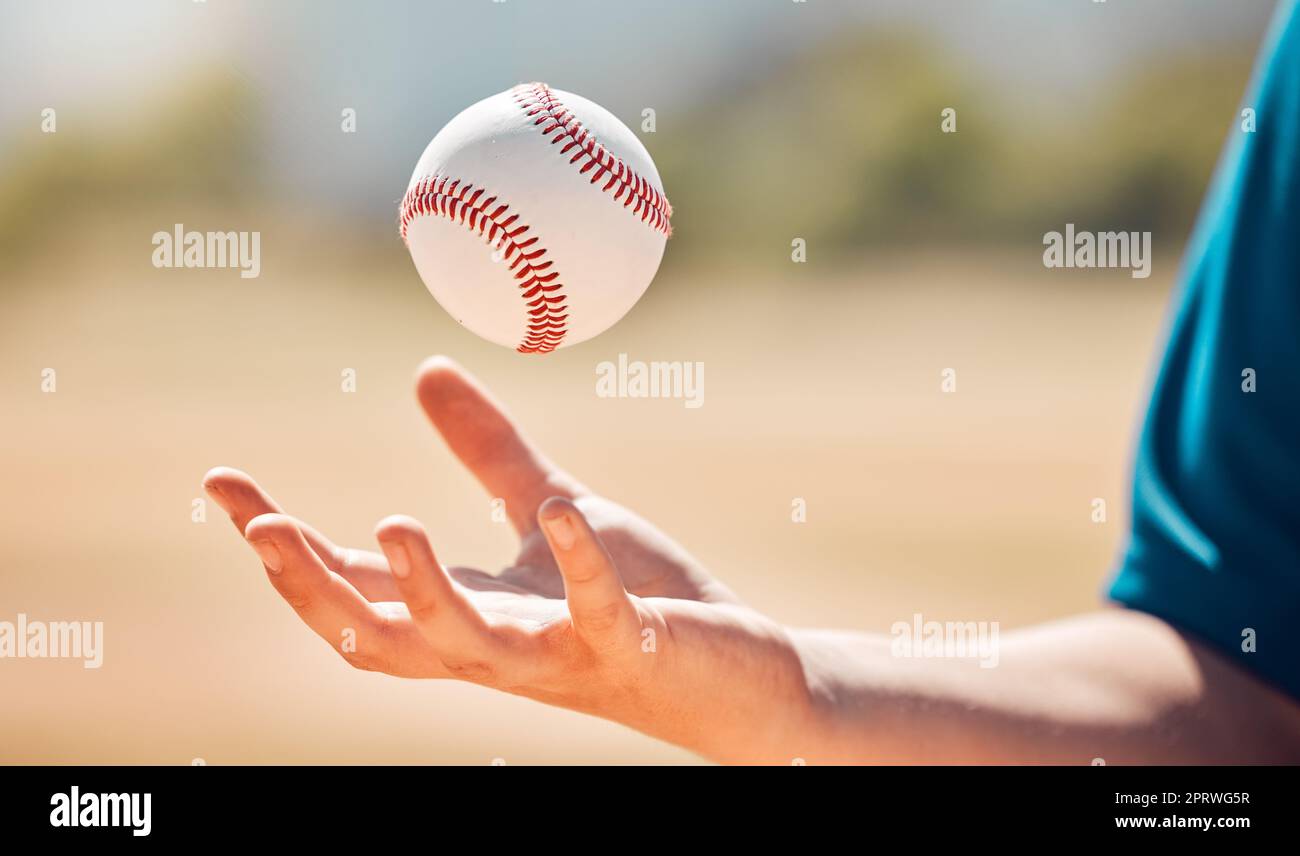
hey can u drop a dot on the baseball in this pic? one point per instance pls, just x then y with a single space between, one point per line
536 218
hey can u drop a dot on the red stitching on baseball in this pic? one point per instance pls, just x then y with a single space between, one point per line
537 99
538 280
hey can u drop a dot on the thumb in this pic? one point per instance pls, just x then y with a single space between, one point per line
599 605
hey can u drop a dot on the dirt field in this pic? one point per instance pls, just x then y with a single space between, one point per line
966 506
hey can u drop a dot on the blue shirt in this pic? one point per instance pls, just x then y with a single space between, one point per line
1215 541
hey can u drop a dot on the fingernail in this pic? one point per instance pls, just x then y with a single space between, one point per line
218 496
398 559
561 531
270 555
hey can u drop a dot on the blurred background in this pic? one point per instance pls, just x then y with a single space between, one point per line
774 121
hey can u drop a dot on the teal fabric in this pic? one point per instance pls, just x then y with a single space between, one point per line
1215 540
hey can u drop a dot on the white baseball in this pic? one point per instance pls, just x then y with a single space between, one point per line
536 218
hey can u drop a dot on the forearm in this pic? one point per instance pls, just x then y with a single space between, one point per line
1118 686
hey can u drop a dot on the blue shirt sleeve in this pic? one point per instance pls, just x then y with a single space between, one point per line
1215 540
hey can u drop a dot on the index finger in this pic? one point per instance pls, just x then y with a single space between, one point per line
485 439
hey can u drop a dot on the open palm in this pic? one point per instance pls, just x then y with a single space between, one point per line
353 600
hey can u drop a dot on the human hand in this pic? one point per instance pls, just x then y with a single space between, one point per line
601 612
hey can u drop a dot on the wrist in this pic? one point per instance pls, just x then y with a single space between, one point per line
843 672
756 695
